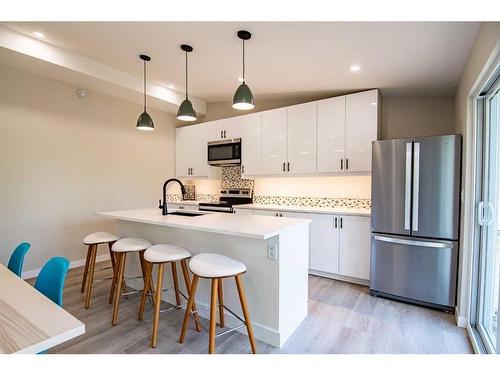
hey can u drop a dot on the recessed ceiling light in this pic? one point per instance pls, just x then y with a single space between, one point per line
39 34
240 79
355 68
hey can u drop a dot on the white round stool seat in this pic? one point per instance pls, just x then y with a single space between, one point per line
129 244
99 237
210 265
163 253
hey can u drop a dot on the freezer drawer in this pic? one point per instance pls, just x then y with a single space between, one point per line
422 270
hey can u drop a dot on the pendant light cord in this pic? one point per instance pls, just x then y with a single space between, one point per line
144 85
243 60
186 75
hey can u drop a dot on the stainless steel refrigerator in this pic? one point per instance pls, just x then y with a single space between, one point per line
415 219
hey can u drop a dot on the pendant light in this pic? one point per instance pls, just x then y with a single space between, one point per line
186 111
145 122
243 98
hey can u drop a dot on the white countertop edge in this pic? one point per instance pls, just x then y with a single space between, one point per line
307 209
204 229
53 341
187 203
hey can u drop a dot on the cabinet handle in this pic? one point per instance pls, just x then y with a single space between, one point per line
224 134
340 223
288 166
284 170
335 222
276 214
346 164
341 164
242 168
221 134
281 215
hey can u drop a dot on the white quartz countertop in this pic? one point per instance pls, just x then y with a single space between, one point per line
253 226
312 210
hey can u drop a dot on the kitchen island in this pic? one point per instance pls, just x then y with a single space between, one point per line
274 250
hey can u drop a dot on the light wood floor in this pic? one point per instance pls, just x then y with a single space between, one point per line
343 318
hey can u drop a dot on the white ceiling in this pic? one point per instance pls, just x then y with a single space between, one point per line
283 58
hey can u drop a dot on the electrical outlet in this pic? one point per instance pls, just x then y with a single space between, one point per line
272 251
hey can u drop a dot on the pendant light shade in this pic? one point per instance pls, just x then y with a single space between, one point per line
145 122
186 111
243 97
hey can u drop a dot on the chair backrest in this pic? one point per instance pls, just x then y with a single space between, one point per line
50 280
17 258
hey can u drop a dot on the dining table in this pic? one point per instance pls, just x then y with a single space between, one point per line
29 321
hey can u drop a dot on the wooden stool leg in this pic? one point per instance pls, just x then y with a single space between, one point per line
145 289
112 254
176 284
189 307
143 268
213 308
118 289
86 269
116 257
90 278
157 303
221 303
187 282
246 315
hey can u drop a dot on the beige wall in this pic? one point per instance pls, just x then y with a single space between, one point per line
485 45
63 159
417 116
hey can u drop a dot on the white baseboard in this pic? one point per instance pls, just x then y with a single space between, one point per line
335 276
461 320
73 264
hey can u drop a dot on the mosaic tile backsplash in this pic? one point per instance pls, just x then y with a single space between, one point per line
313 202
231 179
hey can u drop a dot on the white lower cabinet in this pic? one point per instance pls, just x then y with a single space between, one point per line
324 255
354 245
339 245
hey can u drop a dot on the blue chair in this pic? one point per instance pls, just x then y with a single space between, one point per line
50 280
17 258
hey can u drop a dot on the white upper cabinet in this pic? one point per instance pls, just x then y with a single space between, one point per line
274 141
190 162
354 247
361 130
251 144
328 136
331 135
302 138
182 145
227 128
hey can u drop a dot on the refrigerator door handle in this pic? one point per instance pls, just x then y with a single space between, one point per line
402 241
416 175
408 186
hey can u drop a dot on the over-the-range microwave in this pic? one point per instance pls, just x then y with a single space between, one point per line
225 152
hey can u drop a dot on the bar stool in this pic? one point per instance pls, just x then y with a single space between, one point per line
93 240
121 248
160 255
217 267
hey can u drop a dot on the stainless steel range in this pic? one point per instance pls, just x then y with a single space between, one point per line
227 199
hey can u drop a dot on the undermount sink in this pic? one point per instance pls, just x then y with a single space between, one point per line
179 213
